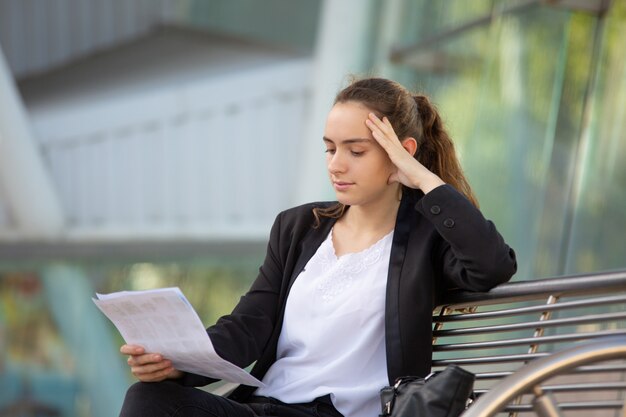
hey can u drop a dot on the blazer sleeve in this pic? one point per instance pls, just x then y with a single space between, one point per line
474 256
241 336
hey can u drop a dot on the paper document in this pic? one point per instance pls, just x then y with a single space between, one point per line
163 321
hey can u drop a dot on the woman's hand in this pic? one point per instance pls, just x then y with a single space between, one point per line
410 171
149 367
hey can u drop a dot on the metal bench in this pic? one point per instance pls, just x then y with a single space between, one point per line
502 333
499 335
531 380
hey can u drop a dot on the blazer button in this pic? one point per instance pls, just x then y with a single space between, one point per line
448 223
435 209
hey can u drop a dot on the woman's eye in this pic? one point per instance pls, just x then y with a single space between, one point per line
355 153
330 151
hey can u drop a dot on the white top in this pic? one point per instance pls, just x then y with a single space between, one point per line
333 335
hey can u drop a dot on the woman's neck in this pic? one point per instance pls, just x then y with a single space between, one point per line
363 225
372 219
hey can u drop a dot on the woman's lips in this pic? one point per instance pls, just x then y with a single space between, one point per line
342 186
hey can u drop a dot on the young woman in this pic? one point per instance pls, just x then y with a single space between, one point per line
343 302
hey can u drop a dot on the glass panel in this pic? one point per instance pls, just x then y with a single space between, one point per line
511 91
597 238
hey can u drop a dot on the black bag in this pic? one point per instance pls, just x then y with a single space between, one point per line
442 394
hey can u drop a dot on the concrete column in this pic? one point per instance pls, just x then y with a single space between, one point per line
342 48
25 186
100 368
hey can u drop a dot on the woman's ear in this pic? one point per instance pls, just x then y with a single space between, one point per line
410 144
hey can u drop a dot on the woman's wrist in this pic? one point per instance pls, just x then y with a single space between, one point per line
429 183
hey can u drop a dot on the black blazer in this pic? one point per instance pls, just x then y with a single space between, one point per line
440 241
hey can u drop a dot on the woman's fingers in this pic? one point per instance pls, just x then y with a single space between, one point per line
382 131
132 350
137 356
145 359
147 367
409 171
154 376
385 135
151 368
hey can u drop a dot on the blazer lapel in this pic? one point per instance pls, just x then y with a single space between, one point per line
404 224
310 243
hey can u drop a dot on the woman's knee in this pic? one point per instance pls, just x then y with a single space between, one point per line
167 398
149 398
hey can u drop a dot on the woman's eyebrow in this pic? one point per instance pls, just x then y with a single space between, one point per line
348 141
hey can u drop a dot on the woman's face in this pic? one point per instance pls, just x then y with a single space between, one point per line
358 166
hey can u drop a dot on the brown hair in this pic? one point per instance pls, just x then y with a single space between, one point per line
411 116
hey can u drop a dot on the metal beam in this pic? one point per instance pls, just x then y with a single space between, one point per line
595 7
26 187
401 53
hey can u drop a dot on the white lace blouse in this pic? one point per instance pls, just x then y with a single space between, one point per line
333 335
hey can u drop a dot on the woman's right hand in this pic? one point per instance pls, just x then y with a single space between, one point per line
409 171
149 367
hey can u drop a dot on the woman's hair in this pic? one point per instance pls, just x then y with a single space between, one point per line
411 115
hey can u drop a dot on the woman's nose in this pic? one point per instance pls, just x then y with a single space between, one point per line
336 163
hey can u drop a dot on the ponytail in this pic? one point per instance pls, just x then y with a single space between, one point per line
436 150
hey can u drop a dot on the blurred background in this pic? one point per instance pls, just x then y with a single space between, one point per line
150 143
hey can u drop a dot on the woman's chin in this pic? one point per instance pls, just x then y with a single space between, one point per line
340 197
345 200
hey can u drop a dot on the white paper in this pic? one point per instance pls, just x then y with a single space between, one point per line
163 321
